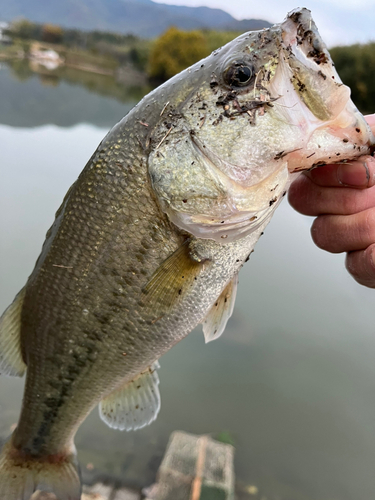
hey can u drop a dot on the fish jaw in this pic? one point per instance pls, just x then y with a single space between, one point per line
332 129
312 72
313 141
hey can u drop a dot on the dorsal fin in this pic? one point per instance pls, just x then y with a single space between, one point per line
11 361
216 320
135 404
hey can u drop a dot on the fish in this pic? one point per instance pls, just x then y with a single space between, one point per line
148 242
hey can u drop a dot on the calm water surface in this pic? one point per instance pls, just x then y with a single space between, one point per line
292 379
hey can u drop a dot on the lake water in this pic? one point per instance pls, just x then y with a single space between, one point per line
292 379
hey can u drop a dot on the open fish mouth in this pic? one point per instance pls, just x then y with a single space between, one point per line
312 73
332 125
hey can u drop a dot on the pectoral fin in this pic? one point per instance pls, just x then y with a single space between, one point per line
216 320
11 361
171 281
135 404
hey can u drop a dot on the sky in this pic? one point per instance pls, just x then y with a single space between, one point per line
340 22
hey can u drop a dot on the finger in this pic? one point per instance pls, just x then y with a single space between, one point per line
359 174
361 265
310 199
370 119
355 174
344 233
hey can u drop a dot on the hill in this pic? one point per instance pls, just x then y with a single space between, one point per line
143 18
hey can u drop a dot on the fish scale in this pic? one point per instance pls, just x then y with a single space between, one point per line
97 261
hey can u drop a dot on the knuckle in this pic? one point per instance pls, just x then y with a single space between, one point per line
368 226
370 197
361 266
319 232
351 264
293 193
349 202
299 194
370 165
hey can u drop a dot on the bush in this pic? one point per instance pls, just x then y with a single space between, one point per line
174 51
22 28
216 39
356 66
52 33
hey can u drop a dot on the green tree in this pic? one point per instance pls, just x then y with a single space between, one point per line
22 28
52 33
174 51
356 66
216 39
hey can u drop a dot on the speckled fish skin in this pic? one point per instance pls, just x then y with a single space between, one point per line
200 164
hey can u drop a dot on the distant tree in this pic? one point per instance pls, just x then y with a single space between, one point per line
139 54
22 28
216 39
52 33
174 51
356 66
74 38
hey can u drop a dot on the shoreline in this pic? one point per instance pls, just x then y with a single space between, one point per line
51 60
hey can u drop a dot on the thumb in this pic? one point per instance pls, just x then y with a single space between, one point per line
370 119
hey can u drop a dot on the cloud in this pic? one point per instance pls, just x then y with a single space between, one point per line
353 6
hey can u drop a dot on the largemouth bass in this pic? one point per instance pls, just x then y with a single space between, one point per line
149 240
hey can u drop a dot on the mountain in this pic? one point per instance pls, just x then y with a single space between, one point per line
144 18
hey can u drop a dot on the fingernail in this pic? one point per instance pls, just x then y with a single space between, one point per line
353 174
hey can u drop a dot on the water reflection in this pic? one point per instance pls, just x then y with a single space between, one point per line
292 379
65 97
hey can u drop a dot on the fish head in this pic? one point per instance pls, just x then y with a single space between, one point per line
251 116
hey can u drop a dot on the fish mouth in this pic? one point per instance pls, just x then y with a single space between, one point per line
332 128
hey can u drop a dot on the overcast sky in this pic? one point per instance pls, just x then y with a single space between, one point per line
340 22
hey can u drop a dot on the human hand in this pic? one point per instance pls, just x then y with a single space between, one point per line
342 196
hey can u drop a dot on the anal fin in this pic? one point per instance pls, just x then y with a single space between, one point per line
216 320
11 362
135 404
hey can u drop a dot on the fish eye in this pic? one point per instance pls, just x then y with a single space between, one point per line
239 74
